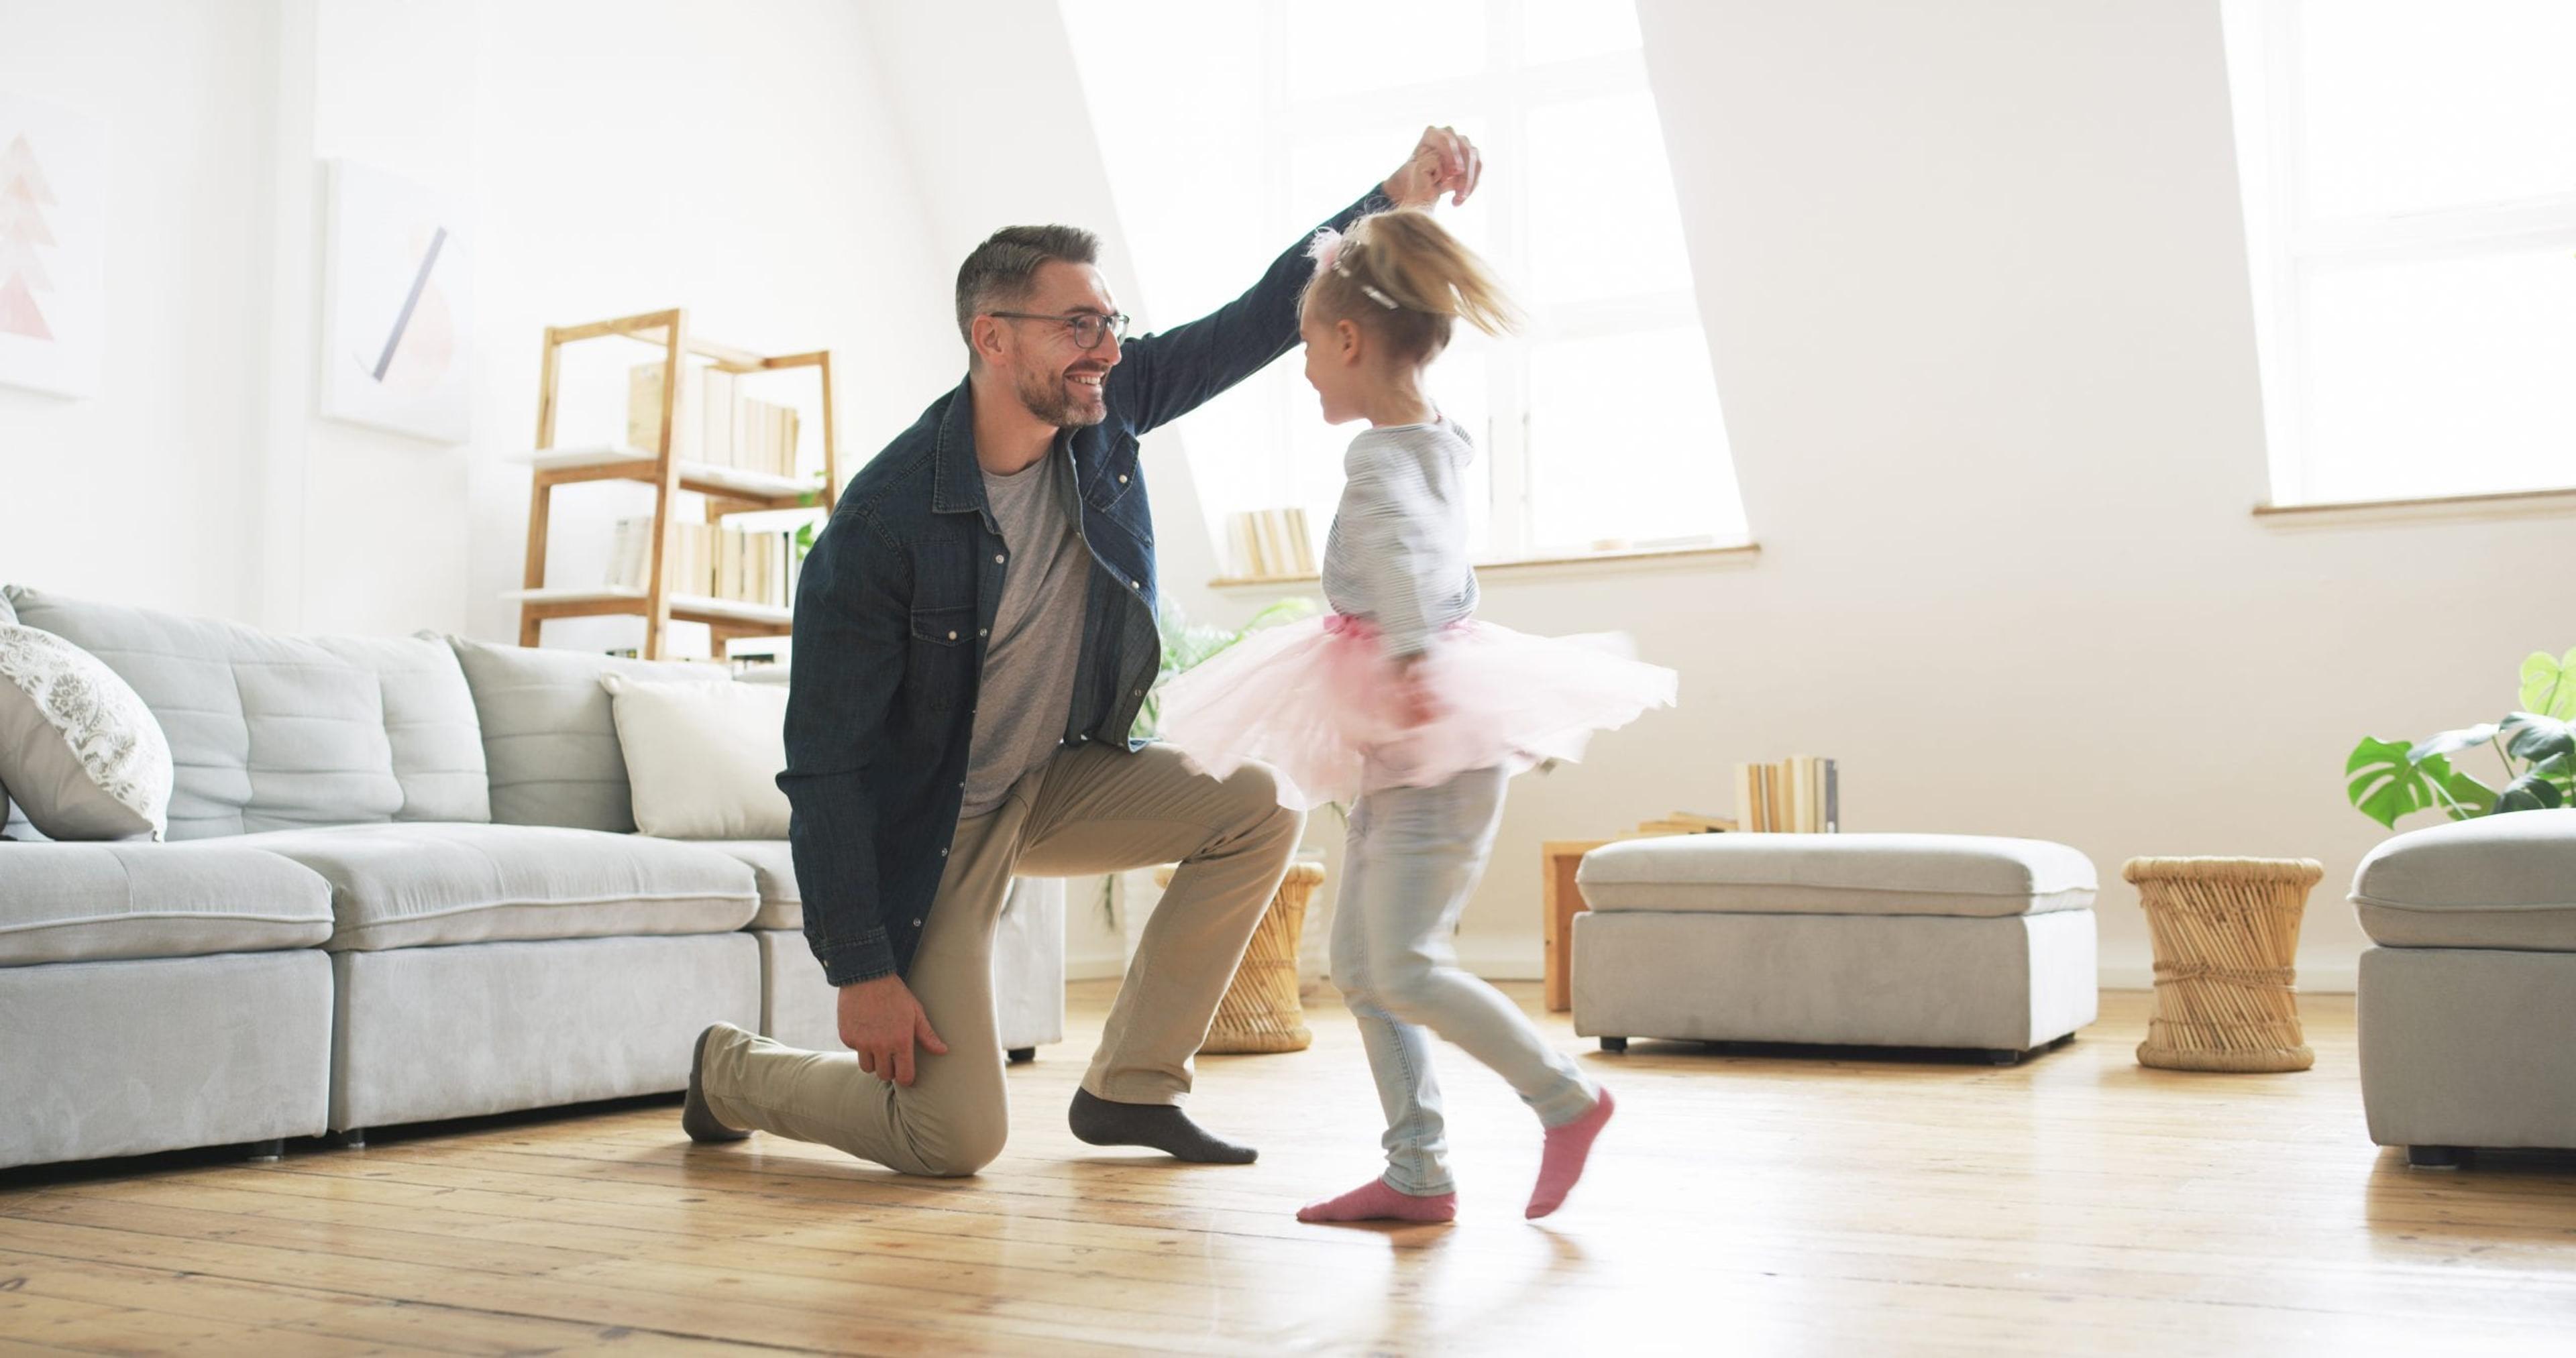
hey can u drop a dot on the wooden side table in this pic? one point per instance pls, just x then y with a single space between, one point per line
2226 938
1560 900
1260 1011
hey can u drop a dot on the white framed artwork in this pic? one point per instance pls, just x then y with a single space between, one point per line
53 247
397 306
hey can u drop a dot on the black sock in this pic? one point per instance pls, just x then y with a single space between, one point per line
1105 1123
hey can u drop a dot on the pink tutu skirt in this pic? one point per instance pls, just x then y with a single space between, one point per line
1318 701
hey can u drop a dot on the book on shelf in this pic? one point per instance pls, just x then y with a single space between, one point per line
708 560
719 425
1265 544
1798 795
1243 530
630 543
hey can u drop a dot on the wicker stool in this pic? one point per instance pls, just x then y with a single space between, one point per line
1260 1011
2226 937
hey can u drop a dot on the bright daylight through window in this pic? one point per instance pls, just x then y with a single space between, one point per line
1227 129
2410 192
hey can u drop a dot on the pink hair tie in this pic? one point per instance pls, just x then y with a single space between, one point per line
1327 248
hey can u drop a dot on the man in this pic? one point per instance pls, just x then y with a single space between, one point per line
974 635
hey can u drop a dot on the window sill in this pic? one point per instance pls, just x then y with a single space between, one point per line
2559 499
1629 558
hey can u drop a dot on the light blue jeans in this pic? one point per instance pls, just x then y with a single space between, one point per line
1413 857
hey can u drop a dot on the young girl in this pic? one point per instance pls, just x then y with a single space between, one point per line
1400 700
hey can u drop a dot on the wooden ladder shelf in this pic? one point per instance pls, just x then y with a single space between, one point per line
729 490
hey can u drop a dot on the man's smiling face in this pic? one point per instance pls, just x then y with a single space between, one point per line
1058 380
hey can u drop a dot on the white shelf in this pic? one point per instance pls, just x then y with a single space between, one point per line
698 476
696 607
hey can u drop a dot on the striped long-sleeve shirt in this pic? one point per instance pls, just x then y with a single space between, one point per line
1397 554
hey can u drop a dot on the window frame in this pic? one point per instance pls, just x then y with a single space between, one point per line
2288 248
1503 93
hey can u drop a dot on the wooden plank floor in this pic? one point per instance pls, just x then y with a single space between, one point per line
1745 1203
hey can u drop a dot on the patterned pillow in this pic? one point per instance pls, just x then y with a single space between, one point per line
81 755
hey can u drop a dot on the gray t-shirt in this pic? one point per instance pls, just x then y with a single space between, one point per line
1027 692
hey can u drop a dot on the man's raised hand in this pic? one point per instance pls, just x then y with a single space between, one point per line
880 1020
1444 161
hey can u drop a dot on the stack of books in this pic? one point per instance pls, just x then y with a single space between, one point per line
723 427
1684 823
1269 543
708 560
1799 795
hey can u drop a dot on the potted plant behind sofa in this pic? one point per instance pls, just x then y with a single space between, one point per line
1186 646
2535 744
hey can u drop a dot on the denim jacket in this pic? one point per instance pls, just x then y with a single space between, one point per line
899 594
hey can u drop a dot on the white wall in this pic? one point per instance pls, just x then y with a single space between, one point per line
738 160
1973 276
1975 280
617 157
1975 284
142 492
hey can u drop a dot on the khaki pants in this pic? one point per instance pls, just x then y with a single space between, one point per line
1086 811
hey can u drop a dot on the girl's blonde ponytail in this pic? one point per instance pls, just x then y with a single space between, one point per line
1404 276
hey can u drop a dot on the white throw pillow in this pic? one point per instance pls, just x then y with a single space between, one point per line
82 756
703 759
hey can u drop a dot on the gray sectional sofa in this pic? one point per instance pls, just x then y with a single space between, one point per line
401 883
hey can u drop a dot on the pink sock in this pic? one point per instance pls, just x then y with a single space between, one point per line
1374 1201
1561 1164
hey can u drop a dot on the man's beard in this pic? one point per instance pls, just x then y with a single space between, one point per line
1049 399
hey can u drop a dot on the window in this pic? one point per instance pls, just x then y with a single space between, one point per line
2410 196
1226 129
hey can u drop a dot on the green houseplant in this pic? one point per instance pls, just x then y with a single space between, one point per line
1186 646
2535 744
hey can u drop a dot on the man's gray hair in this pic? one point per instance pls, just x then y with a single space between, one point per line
1004 269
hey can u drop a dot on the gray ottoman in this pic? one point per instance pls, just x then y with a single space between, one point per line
2466 1002
1848 940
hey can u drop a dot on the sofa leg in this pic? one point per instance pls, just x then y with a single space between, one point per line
2004 1056
2436 1157
1022 1055
354 1139
264 1152
1614 1045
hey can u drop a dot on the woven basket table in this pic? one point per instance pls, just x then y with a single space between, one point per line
1260 1011
2226 937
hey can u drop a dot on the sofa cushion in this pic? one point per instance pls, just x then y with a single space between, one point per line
2504 881
1838 875
702 760
85 754
97 902
408 886
773 866
549 736
270 732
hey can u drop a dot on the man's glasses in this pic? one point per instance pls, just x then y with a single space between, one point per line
1088 329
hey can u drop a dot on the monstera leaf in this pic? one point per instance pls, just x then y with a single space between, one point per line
2452 742
2549 685
2539 789
2386 782
2531 736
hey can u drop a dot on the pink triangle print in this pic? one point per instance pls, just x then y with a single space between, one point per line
20 220
18 169
18 313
